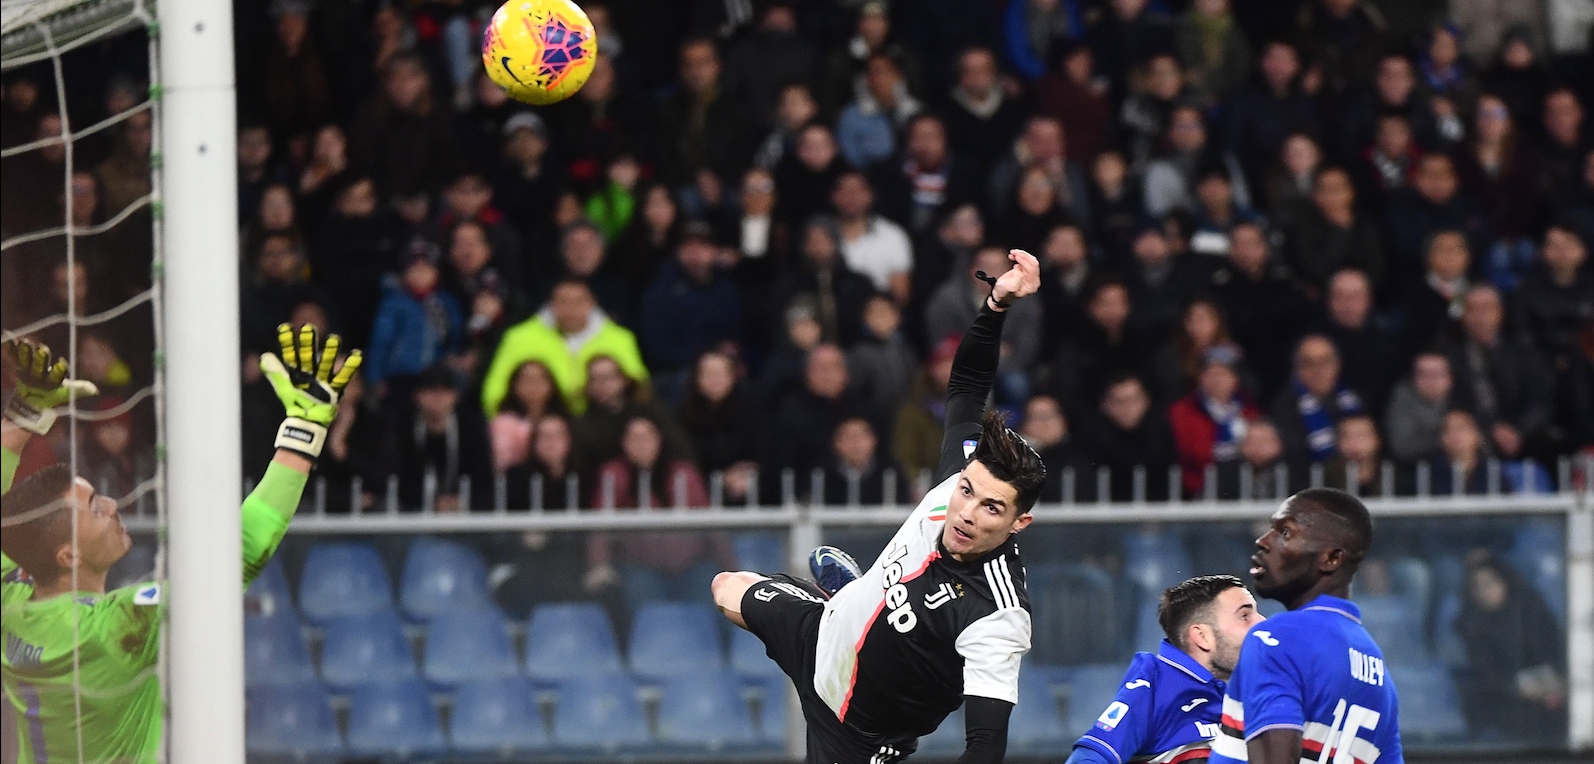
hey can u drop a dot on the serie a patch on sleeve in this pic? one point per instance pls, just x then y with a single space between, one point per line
148 594
968 447
1110 718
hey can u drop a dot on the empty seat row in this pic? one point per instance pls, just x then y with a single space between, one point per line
348 579
602 714
562 641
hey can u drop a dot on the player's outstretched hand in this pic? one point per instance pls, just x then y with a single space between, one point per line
42 385
308 386
1020 281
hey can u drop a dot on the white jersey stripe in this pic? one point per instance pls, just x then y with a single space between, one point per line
1229 747
1233 709
1007 581
994 578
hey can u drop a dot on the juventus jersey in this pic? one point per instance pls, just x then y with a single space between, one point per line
901 646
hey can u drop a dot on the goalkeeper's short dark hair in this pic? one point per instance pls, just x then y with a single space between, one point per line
1190 602
32 542
1010 460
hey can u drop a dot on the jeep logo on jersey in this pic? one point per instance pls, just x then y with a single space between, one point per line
901 616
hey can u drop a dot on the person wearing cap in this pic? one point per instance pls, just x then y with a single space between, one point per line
691 306
1209 424
416 324
526 184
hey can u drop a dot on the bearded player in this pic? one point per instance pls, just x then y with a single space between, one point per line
59 621
1166 711
1311 685
942 617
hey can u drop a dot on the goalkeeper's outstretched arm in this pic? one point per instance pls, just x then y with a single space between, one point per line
305 381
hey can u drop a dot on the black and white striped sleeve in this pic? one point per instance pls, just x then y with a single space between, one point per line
993 646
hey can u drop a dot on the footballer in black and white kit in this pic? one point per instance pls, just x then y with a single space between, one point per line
942 618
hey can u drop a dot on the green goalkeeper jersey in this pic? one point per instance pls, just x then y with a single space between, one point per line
116 709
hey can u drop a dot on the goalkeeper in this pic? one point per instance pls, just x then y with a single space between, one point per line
55 603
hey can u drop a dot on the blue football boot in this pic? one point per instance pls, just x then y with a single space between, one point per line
832 568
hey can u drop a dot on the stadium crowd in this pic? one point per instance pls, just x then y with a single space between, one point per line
1293 237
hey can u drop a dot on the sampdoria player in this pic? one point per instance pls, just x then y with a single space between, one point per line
942 617
1311 684
1167 709
60 624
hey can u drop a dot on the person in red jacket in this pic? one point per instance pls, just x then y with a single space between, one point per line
1209 423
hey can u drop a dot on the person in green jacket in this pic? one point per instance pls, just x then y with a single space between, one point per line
565 336
80 662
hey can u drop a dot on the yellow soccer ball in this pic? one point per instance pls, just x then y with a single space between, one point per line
539 51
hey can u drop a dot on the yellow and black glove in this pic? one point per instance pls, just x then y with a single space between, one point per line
304 381
42 386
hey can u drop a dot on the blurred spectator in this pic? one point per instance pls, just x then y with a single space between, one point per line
566 335
400 136
794 109
1490 27
256 170
277 285
1445 72
22 108
1265 309
1147 113
537 566
1109 345
1032 212
1432 306
1459 466
801 332
1346 36
1076 96
981 119
469 197
601 121
1045 429
550 460
1575 208
767 57
1516 686
653 566
612 399
614 201
1388 163
720 418
757 236
527 185
1307 409
114 459
1122 438
1273 107
360 446
1372 353
1417 408
490 301
805 421
1127 34
1435 201
1160 283
124 176
294 86
417 324
276 214
441 442
882 363
856 474
25 174
916 437
1333 234
533 394
1359 466
1042 149
1287 186
1260 472
1216 211
1555 303
1035 30
953 307
352 252
1117 203
807 175
870 244
691 306
1497 167
702 126
1212 48
1209 424
844 75
1564 140
480 126
957 233
868 126
1171 178
1065 273
835 293
1179 364
1501 379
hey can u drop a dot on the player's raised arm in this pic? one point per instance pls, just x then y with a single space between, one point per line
974 366
306 382
42 386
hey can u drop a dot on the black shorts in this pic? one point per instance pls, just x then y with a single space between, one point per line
784 612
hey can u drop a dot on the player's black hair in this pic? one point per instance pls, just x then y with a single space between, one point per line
32 542
1353 532
1190 602
1010 460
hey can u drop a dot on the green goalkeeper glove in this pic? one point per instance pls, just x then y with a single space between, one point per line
41 386
304 381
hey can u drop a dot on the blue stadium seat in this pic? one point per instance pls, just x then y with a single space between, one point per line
1538 554
1036 725
343 580
497 717
462 645
774 701
568 640
705 712
600 714
673 638
947 741
1396 624
366 648
1090 690
1430 707
760 551
441 575
749 658
292 722
269 593
274 651
394 720
1156 560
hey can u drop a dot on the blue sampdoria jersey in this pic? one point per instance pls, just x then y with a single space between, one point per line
1166 711
1318 671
